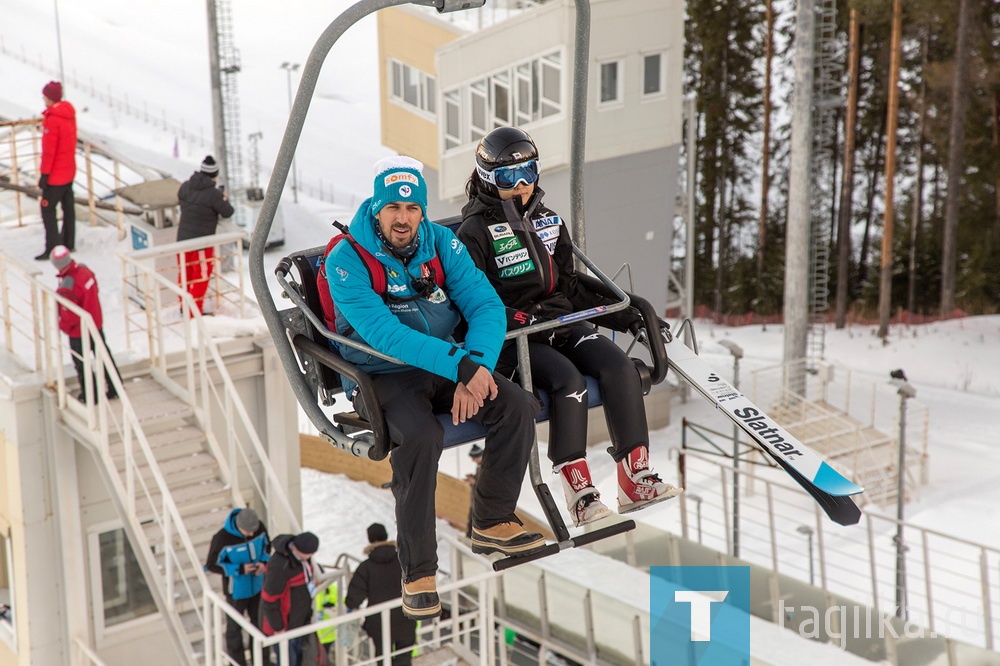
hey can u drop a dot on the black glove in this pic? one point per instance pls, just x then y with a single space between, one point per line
43 182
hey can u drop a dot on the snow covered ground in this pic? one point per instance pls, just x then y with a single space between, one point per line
155 53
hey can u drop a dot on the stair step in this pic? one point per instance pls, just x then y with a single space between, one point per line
175 442
204 523
181 471
190 500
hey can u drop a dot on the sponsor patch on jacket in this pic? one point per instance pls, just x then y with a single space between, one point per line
547 221
499 231
512 258
506 245
517 269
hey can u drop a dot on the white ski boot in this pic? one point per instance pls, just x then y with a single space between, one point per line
638 485
582 499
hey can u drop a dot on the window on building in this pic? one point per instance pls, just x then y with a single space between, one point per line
412 88
7 605
479 103
124 593
551 84
653 74
518 95
611 82
452 120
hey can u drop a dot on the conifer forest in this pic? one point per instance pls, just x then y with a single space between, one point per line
940 213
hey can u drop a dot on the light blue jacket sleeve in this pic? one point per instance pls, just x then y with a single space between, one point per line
476 299
375 323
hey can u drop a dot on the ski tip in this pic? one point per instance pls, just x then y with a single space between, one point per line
833 482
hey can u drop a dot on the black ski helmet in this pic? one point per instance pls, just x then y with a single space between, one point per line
505 146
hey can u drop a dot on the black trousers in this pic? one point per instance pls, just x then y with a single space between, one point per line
560 370
61 195
76 345
401 640
409 401
234 633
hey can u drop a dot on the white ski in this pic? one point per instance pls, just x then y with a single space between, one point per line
828 486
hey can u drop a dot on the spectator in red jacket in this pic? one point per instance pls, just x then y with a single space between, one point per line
289 586
78 285
58 169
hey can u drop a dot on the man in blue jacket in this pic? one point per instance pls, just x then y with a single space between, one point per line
415 323
240 551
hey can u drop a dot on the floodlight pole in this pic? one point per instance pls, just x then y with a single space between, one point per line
290 67
905 391
737 353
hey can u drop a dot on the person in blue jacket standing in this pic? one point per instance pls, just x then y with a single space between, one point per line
240 551
415 322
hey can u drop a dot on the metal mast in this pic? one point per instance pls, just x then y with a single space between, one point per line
827 99
225 66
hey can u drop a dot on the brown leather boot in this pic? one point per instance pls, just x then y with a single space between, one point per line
420 599
506 538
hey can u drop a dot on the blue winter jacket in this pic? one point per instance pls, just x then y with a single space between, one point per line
230 550
418 332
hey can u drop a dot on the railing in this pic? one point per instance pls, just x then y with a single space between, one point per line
166 313
871 407
103 424
137 108
98 172
950 583
470 599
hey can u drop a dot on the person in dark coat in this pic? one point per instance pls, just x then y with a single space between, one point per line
376 580
289 586
78 285
239 552
202 203
58 169
527 254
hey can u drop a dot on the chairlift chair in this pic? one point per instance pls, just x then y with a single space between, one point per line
302 340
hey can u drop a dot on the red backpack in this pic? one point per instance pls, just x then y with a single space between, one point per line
376 273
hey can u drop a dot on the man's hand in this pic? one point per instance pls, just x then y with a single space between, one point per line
482 385
43 182
469 398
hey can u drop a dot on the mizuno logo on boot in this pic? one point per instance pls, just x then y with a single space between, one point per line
592 336
578 395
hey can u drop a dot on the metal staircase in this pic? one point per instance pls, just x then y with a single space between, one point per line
176 451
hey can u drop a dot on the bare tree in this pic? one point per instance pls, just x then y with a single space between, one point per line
956 154
888 219
765 181
918 184
847 177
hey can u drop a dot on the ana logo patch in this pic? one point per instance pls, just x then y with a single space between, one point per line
405 191
499 231
548 221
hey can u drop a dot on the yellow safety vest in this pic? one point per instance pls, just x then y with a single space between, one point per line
326 607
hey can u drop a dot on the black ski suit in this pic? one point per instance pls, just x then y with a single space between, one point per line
526 252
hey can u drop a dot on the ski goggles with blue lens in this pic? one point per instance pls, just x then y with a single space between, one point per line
509 177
